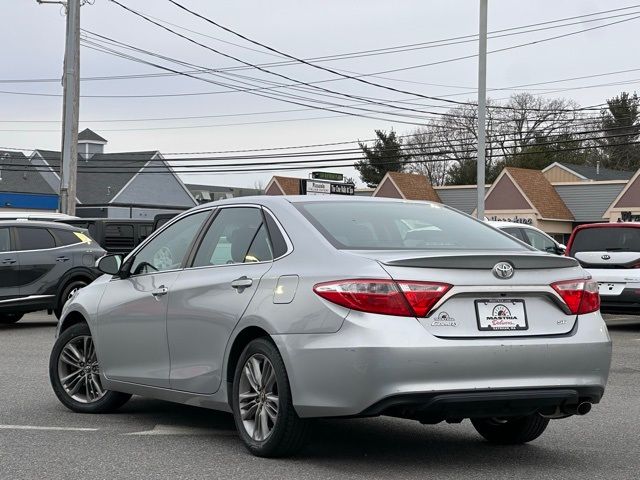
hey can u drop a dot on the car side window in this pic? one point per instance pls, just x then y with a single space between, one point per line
168 249
540 242
65 237
515 232
279 244
237 235
5 240
32 238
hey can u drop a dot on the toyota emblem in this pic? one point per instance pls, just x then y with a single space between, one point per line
503 270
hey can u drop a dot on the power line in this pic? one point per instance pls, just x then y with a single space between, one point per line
351 77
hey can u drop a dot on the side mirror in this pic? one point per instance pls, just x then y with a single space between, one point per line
110 264
562 248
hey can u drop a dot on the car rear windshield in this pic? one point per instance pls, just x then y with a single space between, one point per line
606 239
401 226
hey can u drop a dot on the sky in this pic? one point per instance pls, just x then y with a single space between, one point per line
33 47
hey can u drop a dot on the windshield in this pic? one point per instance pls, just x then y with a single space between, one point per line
603 239
401 226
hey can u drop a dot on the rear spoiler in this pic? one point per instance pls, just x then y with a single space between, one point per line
484 262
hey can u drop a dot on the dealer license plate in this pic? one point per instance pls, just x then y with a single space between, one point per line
501 314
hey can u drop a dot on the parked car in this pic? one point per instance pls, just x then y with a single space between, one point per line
41 265
283 309
610 252
115 235
531 236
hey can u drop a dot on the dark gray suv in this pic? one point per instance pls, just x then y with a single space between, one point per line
41 265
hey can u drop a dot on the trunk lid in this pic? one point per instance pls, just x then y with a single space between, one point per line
608 259
480 304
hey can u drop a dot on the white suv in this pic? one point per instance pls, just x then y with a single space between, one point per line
531 236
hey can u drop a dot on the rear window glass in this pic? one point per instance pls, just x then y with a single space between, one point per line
401 226
603 239
118 236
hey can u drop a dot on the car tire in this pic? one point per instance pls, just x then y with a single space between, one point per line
511 431
69 355
10 318
66 292
288 432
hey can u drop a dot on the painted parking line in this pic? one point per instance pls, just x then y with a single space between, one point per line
37 427
181 430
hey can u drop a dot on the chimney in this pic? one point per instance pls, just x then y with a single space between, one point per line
90 143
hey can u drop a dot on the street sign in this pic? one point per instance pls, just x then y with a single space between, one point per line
334 177
317 187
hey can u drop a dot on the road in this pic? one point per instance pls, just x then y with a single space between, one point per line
150 439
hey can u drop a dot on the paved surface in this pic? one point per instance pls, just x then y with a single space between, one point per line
40 439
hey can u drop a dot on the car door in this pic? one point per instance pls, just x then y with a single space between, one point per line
208 299
9 266
41 263
132 330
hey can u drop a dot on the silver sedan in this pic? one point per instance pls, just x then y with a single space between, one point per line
284 309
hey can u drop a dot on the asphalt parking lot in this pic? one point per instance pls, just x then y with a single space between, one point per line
40 439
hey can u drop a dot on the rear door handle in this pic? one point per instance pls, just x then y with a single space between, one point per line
242 283
8 261
62 259
158 292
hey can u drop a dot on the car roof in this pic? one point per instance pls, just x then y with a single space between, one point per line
117 220
268 200
608 225
36 223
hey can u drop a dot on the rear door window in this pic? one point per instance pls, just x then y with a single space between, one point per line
237 235
33 238
603 239
517 233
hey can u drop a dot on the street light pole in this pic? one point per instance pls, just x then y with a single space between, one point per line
70 116
482 106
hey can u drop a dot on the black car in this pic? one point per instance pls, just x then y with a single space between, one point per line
117 236
41 265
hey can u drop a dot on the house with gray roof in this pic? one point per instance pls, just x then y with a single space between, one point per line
114 185
21 187
570 172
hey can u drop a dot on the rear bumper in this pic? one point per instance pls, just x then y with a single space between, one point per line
374 358
435 407
627 302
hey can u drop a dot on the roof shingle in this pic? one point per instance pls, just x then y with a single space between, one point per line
414 186
540 193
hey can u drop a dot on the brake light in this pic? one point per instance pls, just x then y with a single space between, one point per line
387 297
581 296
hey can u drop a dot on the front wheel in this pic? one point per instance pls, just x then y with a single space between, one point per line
74 373
9 318
511 431
262 406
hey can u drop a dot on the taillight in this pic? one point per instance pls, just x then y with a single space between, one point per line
581 296
387 297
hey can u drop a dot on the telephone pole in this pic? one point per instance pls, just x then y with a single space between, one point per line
70 102
482 106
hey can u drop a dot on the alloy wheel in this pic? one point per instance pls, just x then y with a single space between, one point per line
78 370
258 397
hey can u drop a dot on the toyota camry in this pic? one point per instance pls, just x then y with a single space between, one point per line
285 309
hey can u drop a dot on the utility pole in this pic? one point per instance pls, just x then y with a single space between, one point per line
71 98
482 106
